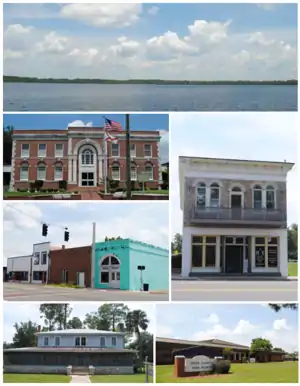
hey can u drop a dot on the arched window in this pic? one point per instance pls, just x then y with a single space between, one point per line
257 197
115 172
149 171
41 172
133 172
105 261
214 195
58 172
270 197
87 157
201 195
24 169
236 189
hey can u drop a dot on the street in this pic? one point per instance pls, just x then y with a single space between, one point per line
38 292
237 290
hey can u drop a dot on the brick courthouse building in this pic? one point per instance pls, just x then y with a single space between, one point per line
76 155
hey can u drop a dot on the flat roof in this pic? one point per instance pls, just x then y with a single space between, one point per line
80 331
236 160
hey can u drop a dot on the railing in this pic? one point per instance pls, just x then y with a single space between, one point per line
238 214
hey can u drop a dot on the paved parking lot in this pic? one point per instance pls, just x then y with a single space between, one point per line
235 290
36 292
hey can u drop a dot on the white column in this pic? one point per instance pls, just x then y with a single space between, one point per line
283 253
186 253
75 169
70 170
100 166
218 255
252 256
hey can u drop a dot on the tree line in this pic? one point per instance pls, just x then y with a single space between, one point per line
108 317
25 79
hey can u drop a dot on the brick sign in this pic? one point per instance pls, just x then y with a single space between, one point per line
199 363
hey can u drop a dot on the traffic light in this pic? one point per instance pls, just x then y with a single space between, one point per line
45 230
67 235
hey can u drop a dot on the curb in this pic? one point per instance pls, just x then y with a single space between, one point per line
235 278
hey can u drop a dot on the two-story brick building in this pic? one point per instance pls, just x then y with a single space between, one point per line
72 351
234 216
77 155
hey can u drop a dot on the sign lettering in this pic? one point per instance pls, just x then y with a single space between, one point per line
199 363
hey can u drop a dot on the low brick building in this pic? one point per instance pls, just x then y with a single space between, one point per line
67 264
168 348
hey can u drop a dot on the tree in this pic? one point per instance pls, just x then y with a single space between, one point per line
25 335
259 345
55 315
293 242
278 307
75 322
227 351
177 243
107 317
112 238
7 144
136 320
144 347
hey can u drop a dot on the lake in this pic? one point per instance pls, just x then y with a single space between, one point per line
129 97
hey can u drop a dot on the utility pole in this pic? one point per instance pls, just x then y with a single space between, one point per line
93 257
128 158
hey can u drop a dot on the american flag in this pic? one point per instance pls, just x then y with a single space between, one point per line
112 125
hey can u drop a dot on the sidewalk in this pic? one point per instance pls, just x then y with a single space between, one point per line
239 277
80 379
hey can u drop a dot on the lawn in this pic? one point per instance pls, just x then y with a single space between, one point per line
293 269
152 192
130 378
273 372
29 194
35 378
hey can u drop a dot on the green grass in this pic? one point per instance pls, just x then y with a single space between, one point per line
273 372
293 269
35 378
130 378
29 194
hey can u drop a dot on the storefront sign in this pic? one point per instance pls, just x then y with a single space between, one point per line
199 363
272 256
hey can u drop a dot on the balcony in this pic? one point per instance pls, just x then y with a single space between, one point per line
239 216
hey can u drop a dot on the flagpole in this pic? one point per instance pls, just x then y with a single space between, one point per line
128 161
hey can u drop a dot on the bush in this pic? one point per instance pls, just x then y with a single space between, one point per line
32 185
112 191
32 190
221 367
38 184
63 185
113 184
23 190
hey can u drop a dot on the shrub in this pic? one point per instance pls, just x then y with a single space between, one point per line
63 185
32 185
38 184
221 367
112 191
113 184
32 190
23 190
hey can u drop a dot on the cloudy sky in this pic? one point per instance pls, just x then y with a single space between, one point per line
25 312
168 41
237 323
261 136
22 222
62 121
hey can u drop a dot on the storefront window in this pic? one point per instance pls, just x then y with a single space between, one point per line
266 252
204 249
273 252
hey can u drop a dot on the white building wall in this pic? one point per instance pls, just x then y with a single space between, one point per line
91 340
19 264
187 248
39 248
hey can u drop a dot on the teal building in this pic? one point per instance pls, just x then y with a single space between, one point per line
117 264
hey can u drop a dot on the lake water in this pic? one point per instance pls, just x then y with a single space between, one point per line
129 97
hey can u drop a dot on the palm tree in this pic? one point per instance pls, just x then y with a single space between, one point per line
136 320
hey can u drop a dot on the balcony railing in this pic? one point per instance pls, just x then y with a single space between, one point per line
238 215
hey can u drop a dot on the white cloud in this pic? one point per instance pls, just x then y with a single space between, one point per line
153 10
10 54
52 43
78 123
280 324
267 6
162 330
103 15
125 47
213 31
212 318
